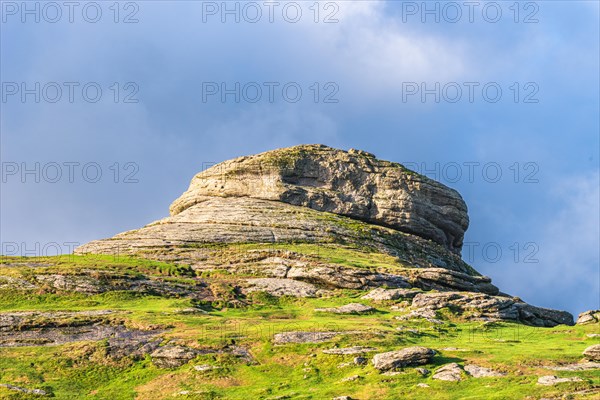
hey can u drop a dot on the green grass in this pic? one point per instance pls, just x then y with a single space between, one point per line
300 371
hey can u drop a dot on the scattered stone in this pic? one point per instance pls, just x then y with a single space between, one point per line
588 317
381 294
38 392
409 330
342 398
172 356
351 378
551 380
582 366
422 371
284 287
592 353
426 314
205 367
352 308
593 335
98 281
23 320
350 350
50 328
360 360
308 337
481 372
402 306
241 353
422 385
454 349
392 360
191 310
8 282
132 343
449 372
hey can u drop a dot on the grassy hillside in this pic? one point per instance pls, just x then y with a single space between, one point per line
233 332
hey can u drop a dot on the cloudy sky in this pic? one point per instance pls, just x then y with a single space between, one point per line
107 113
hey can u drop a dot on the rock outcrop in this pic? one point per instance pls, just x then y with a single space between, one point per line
391 360
308 337
353 184
592 353
449 372
551 380
305 220
481 372
589 317
485 307
172 356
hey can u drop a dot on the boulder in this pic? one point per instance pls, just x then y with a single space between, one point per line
588 317
172 356
592 353
449 372
359 361
392 360
481 372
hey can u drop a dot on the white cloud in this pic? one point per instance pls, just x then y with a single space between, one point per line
374 53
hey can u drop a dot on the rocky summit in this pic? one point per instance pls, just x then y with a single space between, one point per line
300 273
310 199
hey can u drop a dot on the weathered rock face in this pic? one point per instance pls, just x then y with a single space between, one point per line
51 328
172 356
391 360
592 353
381 294
283 287
588 317
236 220
485 307
449 372
354 184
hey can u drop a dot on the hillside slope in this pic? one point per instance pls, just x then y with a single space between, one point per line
300 273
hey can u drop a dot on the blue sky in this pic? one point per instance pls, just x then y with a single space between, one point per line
542 213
